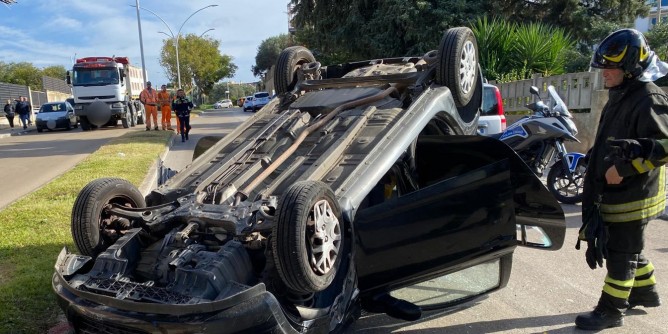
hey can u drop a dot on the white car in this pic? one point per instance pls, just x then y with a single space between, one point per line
56 115
248 104
223 104
492 119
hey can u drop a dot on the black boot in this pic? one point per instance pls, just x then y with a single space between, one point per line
600 318
645 296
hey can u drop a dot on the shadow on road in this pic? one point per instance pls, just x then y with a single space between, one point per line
365 325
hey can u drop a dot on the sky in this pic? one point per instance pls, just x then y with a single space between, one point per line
54 32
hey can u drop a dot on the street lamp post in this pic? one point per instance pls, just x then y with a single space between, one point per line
175 37
205 31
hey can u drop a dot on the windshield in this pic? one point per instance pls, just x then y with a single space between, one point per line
95 76
559 104
53 107
261 95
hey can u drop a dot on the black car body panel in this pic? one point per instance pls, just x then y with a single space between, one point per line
357 180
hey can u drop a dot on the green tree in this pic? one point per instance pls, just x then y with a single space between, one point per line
338 30
577 17
658 42
23 73
268 52
200 62
55 71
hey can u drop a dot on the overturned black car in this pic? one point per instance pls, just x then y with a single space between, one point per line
360 186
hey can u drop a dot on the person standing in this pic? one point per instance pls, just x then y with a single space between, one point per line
22 109
9 113
149 98
624 186
182 107
164 100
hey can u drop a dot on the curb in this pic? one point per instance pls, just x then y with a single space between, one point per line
151 180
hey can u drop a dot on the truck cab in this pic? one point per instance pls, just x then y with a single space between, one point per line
103 93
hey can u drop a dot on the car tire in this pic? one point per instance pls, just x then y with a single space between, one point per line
290 59
39 129
68 127
76 124
457 66
304 207
85 124
88 214
557 181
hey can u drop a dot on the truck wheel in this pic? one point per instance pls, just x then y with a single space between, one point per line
288 62
93 228
457 66
307 237
85 124
140 114
126 121
133 118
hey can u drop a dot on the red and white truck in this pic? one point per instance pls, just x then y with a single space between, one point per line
106 90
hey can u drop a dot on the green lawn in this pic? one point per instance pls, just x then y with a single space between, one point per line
36 227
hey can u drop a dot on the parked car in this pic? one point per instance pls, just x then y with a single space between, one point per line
248 103
360 186
260 99
492 119
56 115
223 104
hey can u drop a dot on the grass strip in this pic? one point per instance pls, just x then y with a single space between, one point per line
36 227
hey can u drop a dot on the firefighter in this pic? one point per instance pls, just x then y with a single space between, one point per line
165 102
149 97
624 186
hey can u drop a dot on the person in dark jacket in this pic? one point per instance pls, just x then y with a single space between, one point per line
23 108
624 186
182 106
9 113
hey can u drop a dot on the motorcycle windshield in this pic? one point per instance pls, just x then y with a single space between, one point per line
559 104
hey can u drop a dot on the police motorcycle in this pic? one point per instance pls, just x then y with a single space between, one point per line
539 140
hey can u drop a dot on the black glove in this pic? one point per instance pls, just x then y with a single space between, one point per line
629 149
595 233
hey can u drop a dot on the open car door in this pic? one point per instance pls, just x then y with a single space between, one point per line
474 195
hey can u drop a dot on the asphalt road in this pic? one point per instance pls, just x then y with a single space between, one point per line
547 290
31 160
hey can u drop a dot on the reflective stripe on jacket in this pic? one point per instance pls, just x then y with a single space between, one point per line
637 110
149 97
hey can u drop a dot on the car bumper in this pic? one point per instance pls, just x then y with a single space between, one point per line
57 124
253 311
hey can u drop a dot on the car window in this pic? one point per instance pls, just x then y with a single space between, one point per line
261 95
490 105
53 107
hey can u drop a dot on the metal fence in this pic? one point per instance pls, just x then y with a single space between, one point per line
57 85
37 99
575 89
12 92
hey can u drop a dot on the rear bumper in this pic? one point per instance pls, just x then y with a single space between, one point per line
253 311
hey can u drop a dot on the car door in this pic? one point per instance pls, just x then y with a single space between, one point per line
470 193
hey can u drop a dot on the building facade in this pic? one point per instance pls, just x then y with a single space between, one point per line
658 13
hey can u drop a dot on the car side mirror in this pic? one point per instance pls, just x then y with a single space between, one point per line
68 78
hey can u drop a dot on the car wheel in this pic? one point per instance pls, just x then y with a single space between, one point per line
307 237
93 228
561 187
39 129
85 124
457 66
290 59
68 127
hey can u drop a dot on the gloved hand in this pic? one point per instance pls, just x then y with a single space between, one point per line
629 149
595 233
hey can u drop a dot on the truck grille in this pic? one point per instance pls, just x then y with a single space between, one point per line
91 98
133 291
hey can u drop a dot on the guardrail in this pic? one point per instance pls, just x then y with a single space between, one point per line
576 89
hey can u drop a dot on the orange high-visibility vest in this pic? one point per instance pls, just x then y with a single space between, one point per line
149 97
164 99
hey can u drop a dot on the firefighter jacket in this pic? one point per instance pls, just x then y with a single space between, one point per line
634 110
182 106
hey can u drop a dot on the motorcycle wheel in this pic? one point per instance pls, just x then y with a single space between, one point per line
563 189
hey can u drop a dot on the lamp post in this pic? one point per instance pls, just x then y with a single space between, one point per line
175 37
205 31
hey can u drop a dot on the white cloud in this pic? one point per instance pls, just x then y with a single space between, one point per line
59 29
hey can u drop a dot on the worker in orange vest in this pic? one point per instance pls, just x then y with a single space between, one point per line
165 102
149 98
